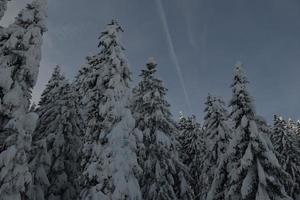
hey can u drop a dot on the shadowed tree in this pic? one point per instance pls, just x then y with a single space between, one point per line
164 176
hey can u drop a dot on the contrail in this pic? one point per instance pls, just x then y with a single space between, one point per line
189 31
172 52
202 37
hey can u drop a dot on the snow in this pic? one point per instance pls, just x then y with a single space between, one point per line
247 185
3 7
152 60
13 97
163 139
247 159
244 122
30 121
5 78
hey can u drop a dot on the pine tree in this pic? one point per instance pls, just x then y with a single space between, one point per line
286 146
190 138
20 55
84 81
217 136
164 176
109 160
39 166
64 143
253 171
192 149
50 93
56 142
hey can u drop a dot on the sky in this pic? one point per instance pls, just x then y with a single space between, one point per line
195 43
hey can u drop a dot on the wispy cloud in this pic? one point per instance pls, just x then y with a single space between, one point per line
172 52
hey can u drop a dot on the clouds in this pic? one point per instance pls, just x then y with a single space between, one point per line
205 37
172 53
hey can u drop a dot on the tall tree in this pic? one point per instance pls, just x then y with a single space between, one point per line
191 140
59 128
164 176
84 82
253 171
217 136
109 160
286 146
20 55
63 145
39 159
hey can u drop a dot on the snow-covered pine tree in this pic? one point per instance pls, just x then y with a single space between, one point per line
109 160
59 129
49 95
191 148
190 138
252 167
3 7
286 146
217 136
39 160
84 81
164 175
255 173
20 55
39 166
64 143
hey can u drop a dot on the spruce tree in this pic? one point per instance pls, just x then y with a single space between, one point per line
55 160
253 171
190 138
50 93
217 136
84 81
39 164
20 55
59 128
109 157
286 146
164 175
64 143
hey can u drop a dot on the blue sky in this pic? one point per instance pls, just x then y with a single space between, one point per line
195 43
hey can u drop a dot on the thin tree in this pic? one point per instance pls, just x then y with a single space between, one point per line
285 143
164 175
250 165
191 147
217 137
109 157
